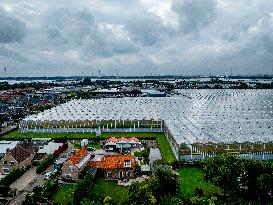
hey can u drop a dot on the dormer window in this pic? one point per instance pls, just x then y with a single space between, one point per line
127 163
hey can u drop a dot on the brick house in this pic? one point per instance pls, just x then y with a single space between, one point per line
73 166
115 167
17 158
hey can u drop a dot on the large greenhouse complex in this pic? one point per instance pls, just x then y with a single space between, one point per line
197 123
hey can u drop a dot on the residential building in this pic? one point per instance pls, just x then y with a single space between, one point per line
115 167
75 164
52 148
17 158
121 144
5 145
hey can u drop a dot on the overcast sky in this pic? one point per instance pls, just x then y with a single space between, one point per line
188 37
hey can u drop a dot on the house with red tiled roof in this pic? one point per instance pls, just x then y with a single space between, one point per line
17 158
121 144
75 164
115 167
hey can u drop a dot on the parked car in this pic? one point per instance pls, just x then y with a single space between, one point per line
48 175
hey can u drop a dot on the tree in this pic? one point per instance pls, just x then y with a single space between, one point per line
257 179
86 81
198 192
200 201
168 183
83 189
171 200
12 192
264 187
107 200
224 171
49 186
86 201
140 193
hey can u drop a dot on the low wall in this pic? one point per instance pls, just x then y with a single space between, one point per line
245 156
88 130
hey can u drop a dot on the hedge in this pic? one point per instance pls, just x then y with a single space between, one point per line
45 164
4 190
11 177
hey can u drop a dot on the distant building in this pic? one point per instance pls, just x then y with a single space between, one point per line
154 93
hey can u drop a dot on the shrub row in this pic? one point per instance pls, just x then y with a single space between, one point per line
45 164
11 177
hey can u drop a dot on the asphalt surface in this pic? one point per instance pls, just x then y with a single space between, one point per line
28 184
31 179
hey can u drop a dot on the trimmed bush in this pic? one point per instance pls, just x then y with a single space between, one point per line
45 164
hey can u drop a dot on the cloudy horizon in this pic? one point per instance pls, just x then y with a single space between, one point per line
136 37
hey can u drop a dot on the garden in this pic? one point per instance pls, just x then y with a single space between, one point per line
161 139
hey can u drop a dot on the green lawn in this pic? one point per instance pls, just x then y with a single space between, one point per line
110 188
95 144
191 178
17 134
162 141
64 194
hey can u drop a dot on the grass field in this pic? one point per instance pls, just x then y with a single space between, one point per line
191 178
64 194
162 141
110 188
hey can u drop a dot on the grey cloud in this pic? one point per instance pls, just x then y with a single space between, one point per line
256 43
13 55
194 14
11 28
145 28
77 29
208 36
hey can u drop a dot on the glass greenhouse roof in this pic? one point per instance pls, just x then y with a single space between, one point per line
194 116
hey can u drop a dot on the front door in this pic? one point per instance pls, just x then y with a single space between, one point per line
120 174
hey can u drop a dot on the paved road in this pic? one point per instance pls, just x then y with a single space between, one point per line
21 183
27 184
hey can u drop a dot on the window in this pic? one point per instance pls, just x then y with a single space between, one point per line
67 176
127 163
5 162
71 168
109 174
128 174
5 170
121 174
11 163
